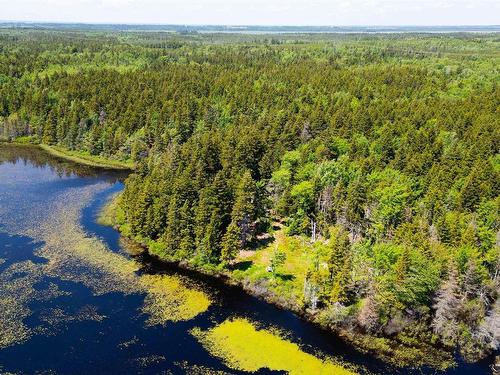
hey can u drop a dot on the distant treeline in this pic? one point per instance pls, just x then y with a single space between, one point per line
250 28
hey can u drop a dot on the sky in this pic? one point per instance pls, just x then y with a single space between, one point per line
257 12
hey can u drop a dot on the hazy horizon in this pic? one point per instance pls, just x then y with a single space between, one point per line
343 13
48 22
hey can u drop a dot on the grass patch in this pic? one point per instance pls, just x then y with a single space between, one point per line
26 140
288 281
244 347
87 159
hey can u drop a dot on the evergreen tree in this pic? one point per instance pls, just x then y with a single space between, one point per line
171 235
50 129
341 281
355 205
339 248
187 238
243 213
209 248
403 265
231 243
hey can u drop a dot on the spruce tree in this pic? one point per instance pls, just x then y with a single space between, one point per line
187 240
243 213
339 247
402 265
231 243
171 236
209 249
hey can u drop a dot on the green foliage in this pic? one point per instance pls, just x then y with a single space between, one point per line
303 193
231 243
392 192
277 260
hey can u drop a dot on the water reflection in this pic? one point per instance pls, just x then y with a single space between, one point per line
36 158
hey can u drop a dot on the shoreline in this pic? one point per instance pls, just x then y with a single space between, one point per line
390 351
92 161
76 156
394 354
384 348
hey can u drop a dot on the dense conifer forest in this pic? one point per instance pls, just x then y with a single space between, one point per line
354 177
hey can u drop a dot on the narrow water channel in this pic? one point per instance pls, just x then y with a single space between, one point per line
73 301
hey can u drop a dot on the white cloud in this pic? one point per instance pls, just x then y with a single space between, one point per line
270 12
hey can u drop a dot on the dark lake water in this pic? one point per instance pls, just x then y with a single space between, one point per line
64 309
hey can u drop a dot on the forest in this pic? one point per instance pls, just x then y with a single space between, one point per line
353 177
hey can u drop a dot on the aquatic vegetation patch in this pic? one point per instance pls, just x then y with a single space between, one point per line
12 328
199 370
126 344
56 316
50 292
6 372
244 347
107 215
171 299
17 289
146 361
74 256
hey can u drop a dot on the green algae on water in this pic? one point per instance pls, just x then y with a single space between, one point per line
199 370
169 298
72 255
17 290
244 347
148 360
56 316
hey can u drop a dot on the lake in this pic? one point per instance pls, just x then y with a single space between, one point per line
73 300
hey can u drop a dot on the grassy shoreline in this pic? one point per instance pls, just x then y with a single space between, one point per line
79 157
83 158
